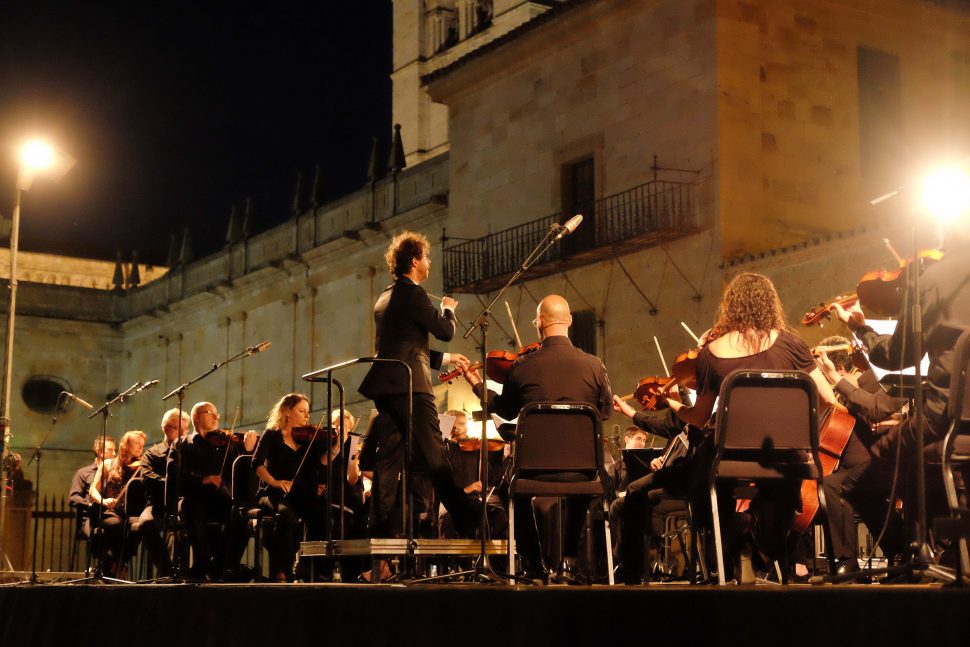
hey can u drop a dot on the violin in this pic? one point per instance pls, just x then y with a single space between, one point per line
684 370
305 434
498 363
475 444
879 291
224 437
855 349
652 392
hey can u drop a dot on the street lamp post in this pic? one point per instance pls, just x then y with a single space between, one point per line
36 157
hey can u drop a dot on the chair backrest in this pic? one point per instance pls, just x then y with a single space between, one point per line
245 483
135 497
769 411
559 436
958 406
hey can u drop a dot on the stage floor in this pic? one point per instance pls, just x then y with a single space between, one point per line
481 614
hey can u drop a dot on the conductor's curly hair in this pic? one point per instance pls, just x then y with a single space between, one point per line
404 248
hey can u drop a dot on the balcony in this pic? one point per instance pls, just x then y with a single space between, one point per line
644 216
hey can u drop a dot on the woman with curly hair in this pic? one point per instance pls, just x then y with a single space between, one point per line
750 332
109 489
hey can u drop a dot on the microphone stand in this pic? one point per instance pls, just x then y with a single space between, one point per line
178 568
920 558
36 456
105 412
483 569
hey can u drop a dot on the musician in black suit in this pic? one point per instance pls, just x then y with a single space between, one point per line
875 412
557 371
204 463
175 425
405 318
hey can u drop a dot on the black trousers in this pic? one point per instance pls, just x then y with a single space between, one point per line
284 540
213 554
636 512
151 535
429 456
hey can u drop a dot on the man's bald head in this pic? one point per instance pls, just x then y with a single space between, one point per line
205 417
552 316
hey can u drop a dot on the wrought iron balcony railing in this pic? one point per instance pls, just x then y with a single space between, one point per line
640 217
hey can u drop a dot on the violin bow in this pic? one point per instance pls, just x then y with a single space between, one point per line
697 340
232 428
124 490
514 329
892 250
662 360
323 416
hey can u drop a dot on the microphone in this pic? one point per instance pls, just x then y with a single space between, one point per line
259 348
570 226
147 385
83 403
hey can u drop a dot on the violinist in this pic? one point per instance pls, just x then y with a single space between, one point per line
405 319
556 371
174 426
278 456
80 496
753 335
204 463
872 407
464 453
644 497
353 485
945 313
109 489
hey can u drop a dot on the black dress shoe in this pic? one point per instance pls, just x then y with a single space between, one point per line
847 566
568 574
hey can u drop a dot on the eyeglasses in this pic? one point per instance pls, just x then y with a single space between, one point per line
211 413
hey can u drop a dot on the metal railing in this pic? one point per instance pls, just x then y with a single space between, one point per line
651 212
58 527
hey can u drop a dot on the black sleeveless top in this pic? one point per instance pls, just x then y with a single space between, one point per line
788 353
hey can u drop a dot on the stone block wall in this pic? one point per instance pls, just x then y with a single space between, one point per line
619 81
788 111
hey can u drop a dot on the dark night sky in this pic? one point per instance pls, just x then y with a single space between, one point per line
176 111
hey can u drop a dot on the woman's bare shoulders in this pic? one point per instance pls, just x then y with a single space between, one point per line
731 345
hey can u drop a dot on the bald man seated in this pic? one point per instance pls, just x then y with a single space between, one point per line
558 371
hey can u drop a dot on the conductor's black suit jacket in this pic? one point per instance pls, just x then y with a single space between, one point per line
405 318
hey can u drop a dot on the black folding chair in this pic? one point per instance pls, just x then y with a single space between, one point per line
559 453
245 504
956 450
767 431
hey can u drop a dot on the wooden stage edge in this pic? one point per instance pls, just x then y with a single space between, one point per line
481 614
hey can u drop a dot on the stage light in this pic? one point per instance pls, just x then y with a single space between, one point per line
946 192
36 155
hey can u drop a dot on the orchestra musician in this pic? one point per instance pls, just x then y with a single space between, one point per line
556 371
278 457
465 457
872 408
109 489
204 462
753 335
945 314
352 482
667 480
174 425
405 319
79 496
